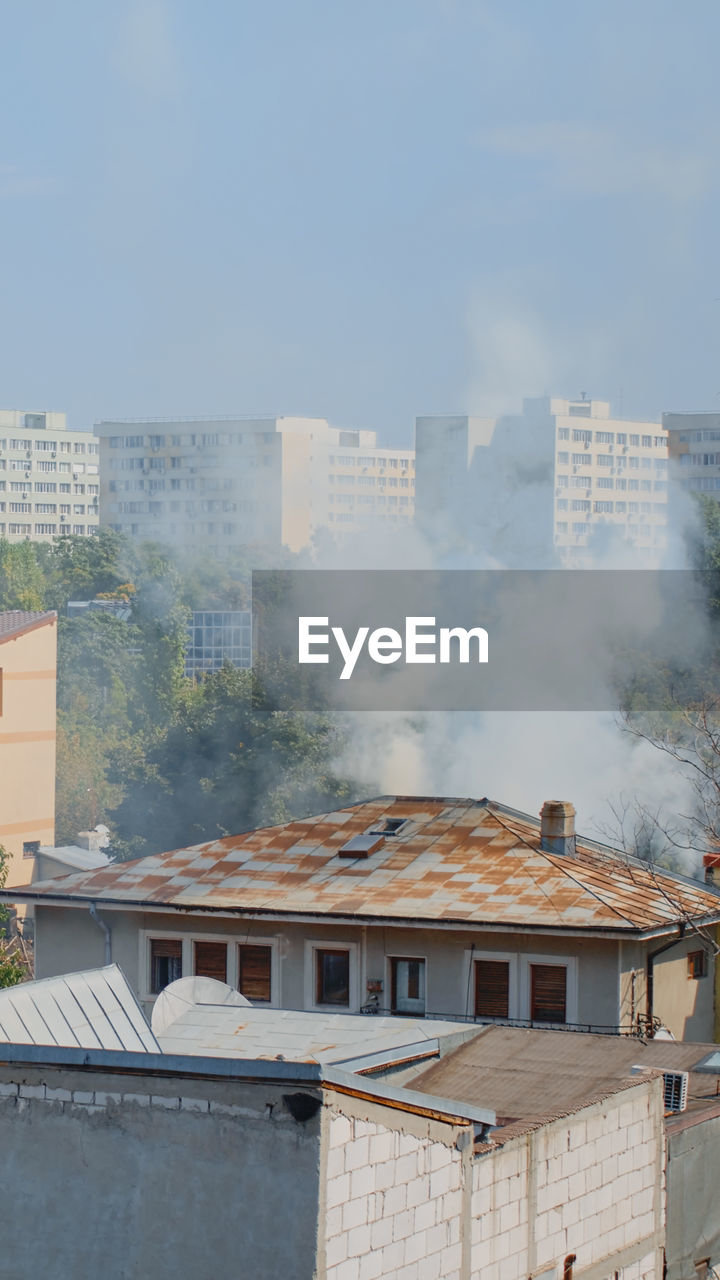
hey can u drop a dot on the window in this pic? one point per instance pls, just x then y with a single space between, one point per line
165 962
332 978
548 993
407 986
211 960
492 989
255 972
697 966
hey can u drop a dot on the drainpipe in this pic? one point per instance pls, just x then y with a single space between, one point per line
106 930
652 957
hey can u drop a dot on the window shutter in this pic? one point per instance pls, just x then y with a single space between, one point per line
492 989
255 971
548 992
211 960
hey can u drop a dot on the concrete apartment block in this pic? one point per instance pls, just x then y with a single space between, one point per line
49 477
219 483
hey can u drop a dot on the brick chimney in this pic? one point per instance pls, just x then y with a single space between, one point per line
557 827
711 863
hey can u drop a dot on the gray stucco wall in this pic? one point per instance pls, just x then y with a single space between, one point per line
693 1178
129 1177
67 939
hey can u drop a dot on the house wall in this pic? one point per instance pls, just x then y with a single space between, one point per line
693 1175
137 1176
27 744
685 1005
67 940
591 1184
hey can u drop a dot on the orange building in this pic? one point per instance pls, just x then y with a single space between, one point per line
28 674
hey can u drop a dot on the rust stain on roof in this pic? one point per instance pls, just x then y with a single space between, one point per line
466 860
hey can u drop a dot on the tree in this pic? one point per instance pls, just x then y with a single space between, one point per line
12 970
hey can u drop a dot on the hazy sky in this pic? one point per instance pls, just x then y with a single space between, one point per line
362 211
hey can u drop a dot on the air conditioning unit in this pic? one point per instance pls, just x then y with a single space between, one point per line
53 455
28 453
675 1090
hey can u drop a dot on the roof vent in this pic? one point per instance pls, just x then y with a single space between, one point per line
362 846
557 827
389 827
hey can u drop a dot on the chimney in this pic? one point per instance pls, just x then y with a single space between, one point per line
90 840
557 827
711 863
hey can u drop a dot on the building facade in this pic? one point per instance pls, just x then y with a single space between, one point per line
453 908
28 672
216 636
49 477
220 483
562 481
694 448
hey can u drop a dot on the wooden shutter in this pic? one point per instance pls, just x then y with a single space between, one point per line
548 991
211 960
492 989
255 972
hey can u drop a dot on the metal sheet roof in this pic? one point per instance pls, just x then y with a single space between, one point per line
531 1074
457 860
15 621
74 856
353 1040
92 1010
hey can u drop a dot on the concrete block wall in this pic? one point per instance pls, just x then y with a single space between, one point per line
591 1184
394 1199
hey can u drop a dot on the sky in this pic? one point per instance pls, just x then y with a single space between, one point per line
358 211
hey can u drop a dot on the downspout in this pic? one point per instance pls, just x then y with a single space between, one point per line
652 957
106 930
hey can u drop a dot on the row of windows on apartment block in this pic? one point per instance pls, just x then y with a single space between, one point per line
49 446
634 440
331 978
30 465
61 530
659 465
43 508
607 482
47 486
207 506
581 528
620 508
214 439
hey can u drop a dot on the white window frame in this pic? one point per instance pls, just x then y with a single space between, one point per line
232 942
570 964
328 944
510 957
398 955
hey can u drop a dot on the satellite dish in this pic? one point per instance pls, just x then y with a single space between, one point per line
662 1033
184 994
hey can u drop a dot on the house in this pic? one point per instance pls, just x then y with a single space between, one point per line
148 1162
516 1073
456 908
28 669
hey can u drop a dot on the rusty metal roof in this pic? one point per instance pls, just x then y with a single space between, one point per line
452 860
17 621
515 1071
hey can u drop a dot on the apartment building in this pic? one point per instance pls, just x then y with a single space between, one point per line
694 449
49 477
564 480
224 482
216 636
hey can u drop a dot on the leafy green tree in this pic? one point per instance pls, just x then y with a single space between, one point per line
23 584
12 970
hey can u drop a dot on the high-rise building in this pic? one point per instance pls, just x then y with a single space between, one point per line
694 446
555 483
223 482
49 481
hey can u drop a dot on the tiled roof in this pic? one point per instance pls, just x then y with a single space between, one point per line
16 621
453 860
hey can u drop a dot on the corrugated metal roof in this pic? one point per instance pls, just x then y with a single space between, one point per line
531 1074
92 1010
458 860
224 1031
15 621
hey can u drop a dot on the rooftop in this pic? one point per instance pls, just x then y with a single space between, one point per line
515 1072
17 621
91 1010
450 860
